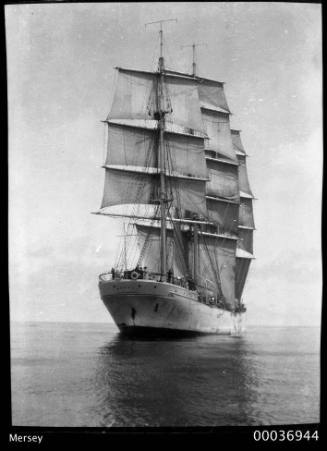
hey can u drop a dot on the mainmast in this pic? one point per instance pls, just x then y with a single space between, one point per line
195 226
195 253
194 45
125 247
161 160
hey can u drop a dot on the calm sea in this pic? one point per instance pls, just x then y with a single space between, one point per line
66 374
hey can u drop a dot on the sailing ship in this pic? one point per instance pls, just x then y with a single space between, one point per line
179 173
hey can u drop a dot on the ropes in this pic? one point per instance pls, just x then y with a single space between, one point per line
130 188
136 183
146 243
104 141
214 268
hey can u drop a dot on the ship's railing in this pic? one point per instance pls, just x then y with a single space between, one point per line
204 297
105 276
127 275
144 275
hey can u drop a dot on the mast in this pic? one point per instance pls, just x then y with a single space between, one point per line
125 248
163 200
193 64
161 160
194 45
195 252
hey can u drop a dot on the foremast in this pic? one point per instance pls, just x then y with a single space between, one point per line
163 192
161 112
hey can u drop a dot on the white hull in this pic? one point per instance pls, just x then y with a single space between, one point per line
147 305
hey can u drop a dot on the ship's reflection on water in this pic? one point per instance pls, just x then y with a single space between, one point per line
195 381
71 374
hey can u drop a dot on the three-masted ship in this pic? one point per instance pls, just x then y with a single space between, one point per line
180 170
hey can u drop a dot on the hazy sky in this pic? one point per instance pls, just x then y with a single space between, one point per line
60 61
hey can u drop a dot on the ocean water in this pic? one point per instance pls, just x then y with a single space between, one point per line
72 374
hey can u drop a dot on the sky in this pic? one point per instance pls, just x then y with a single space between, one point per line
60 71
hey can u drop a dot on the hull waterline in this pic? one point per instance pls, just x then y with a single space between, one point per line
150 308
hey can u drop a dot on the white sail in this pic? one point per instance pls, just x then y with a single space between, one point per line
246 221
135 98
223 180
133 146
212 95
225 214
149 244
205 176
135 95
246 240
217 266
243 177
127 187
219 136
241 272
237 142
184 99
246 213
132 186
